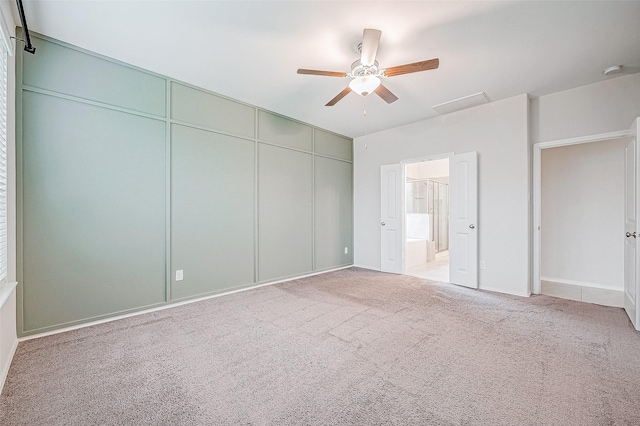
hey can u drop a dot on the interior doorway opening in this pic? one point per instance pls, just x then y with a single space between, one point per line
427 219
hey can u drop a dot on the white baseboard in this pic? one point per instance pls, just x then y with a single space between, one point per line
578 283
370 267
499 290
582 293
495 290
171 305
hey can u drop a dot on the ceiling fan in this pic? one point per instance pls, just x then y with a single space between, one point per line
366 73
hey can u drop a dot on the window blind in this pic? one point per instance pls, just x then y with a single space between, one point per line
3 162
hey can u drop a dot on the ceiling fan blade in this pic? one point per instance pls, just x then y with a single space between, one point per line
369 47
340 95
385 94
325 73
430 64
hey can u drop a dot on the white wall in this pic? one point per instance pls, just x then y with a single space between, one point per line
602 107
499 133
8 339
610 105
583 214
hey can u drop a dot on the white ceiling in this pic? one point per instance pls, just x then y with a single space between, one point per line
250 50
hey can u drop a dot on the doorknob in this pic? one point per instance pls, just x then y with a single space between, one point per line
472 226
631 234
384 224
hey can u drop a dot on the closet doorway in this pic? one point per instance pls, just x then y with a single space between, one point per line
427 219
582 200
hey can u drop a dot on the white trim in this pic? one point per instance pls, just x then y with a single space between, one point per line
537 189
369 267
5 368
600 296
168 306
499 290
5 292
584 139
578 283
536 287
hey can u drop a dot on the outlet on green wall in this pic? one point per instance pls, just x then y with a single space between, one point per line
212 211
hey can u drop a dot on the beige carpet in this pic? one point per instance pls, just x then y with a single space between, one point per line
348 347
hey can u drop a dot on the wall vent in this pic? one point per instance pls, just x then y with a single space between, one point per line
462 103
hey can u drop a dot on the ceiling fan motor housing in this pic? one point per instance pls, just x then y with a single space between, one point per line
359 70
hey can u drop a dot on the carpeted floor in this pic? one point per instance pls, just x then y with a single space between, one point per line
347 347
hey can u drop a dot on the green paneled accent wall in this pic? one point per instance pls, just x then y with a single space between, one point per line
125 176
197 107
285 219
93 185
212 211
333 145
73 72
333 213
281 131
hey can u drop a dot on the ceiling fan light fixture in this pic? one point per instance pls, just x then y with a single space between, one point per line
365 84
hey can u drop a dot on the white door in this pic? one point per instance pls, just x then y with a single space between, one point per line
631 251
391 218
463 219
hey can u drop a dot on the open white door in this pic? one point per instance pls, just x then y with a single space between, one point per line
463 219
391 218
631 210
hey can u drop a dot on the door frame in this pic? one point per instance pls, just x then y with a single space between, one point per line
537 191
403 215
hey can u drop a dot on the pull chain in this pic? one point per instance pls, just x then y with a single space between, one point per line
365 115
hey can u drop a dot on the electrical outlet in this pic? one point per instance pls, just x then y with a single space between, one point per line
179 275
483 264
346 250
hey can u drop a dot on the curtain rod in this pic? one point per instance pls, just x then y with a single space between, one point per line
28 47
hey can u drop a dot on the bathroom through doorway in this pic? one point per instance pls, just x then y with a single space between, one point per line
427 219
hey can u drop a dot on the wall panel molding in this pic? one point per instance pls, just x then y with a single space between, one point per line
128 176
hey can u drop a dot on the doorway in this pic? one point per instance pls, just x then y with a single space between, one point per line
426 188
462 172
559 275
